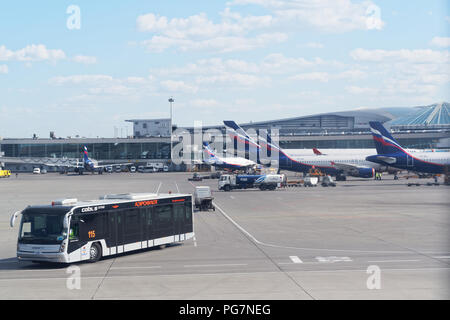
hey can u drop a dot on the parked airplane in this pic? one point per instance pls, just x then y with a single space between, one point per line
389 152
76 165
339 165
233 163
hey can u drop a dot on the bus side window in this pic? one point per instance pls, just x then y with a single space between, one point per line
178 213
188 207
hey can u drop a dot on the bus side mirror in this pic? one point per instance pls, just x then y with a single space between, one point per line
13 219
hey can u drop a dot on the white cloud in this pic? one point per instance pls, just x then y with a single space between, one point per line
84 59
414 74
312 76
198 32
178 86
326 15
3 69
217 44
233 79
199 26
315 45
32 52
404 55
443 42
87 80
352 74
204 103
362 90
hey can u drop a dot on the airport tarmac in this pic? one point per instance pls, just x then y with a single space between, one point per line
363 239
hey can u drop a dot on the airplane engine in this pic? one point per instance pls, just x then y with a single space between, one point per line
366 172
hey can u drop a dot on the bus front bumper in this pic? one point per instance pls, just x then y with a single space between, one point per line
59 257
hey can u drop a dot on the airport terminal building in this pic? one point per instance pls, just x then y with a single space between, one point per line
418 127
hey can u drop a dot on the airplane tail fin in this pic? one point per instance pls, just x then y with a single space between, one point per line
85 156
317 152
384 142
210 153
247 139
240 134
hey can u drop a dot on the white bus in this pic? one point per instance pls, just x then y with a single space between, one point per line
69 231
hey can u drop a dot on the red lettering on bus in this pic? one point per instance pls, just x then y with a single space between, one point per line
145 203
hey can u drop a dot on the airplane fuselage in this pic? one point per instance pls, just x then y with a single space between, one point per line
428 162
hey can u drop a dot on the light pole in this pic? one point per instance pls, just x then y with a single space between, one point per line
171 100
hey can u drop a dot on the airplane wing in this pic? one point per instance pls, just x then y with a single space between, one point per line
344 166
347 167
386 159
113 164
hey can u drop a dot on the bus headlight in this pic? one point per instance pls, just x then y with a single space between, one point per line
62 247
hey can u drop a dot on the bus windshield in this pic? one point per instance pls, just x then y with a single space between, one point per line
42 227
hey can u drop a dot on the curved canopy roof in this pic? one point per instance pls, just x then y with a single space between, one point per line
436 114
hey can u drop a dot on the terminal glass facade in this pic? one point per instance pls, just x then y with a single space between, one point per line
98 151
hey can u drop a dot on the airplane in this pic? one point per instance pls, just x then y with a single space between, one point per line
389 152
233 163
237 133
87 164
339 165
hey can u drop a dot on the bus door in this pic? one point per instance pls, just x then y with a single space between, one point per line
115 238
179 217
146 226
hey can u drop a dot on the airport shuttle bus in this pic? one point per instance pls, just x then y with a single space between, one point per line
69 231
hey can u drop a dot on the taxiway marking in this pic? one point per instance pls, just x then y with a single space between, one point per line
295 259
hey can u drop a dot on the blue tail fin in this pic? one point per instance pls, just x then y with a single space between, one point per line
85 156
268 145
384 142
239 133
209 151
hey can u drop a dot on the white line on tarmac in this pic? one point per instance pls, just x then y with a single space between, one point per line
195 241
296 248
381 261
222 273
124 268
442 257
214 265
160 184
176 185
295 259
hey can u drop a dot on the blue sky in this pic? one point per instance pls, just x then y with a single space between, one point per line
238 59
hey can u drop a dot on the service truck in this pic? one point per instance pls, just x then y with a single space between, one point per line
229 182
4 173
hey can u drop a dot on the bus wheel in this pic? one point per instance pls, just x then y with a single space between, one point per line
95 252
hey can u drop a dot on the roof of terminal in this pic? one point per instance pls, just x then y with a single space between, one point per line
436 114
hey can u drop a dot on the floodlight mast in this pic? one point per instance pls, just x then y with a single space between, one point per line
171 101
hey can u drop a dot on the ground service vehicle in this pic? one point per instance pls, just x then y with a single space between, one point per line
270 181
203 198
327 181
36 171
311 181
5 173
228 182
195 177
69 230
